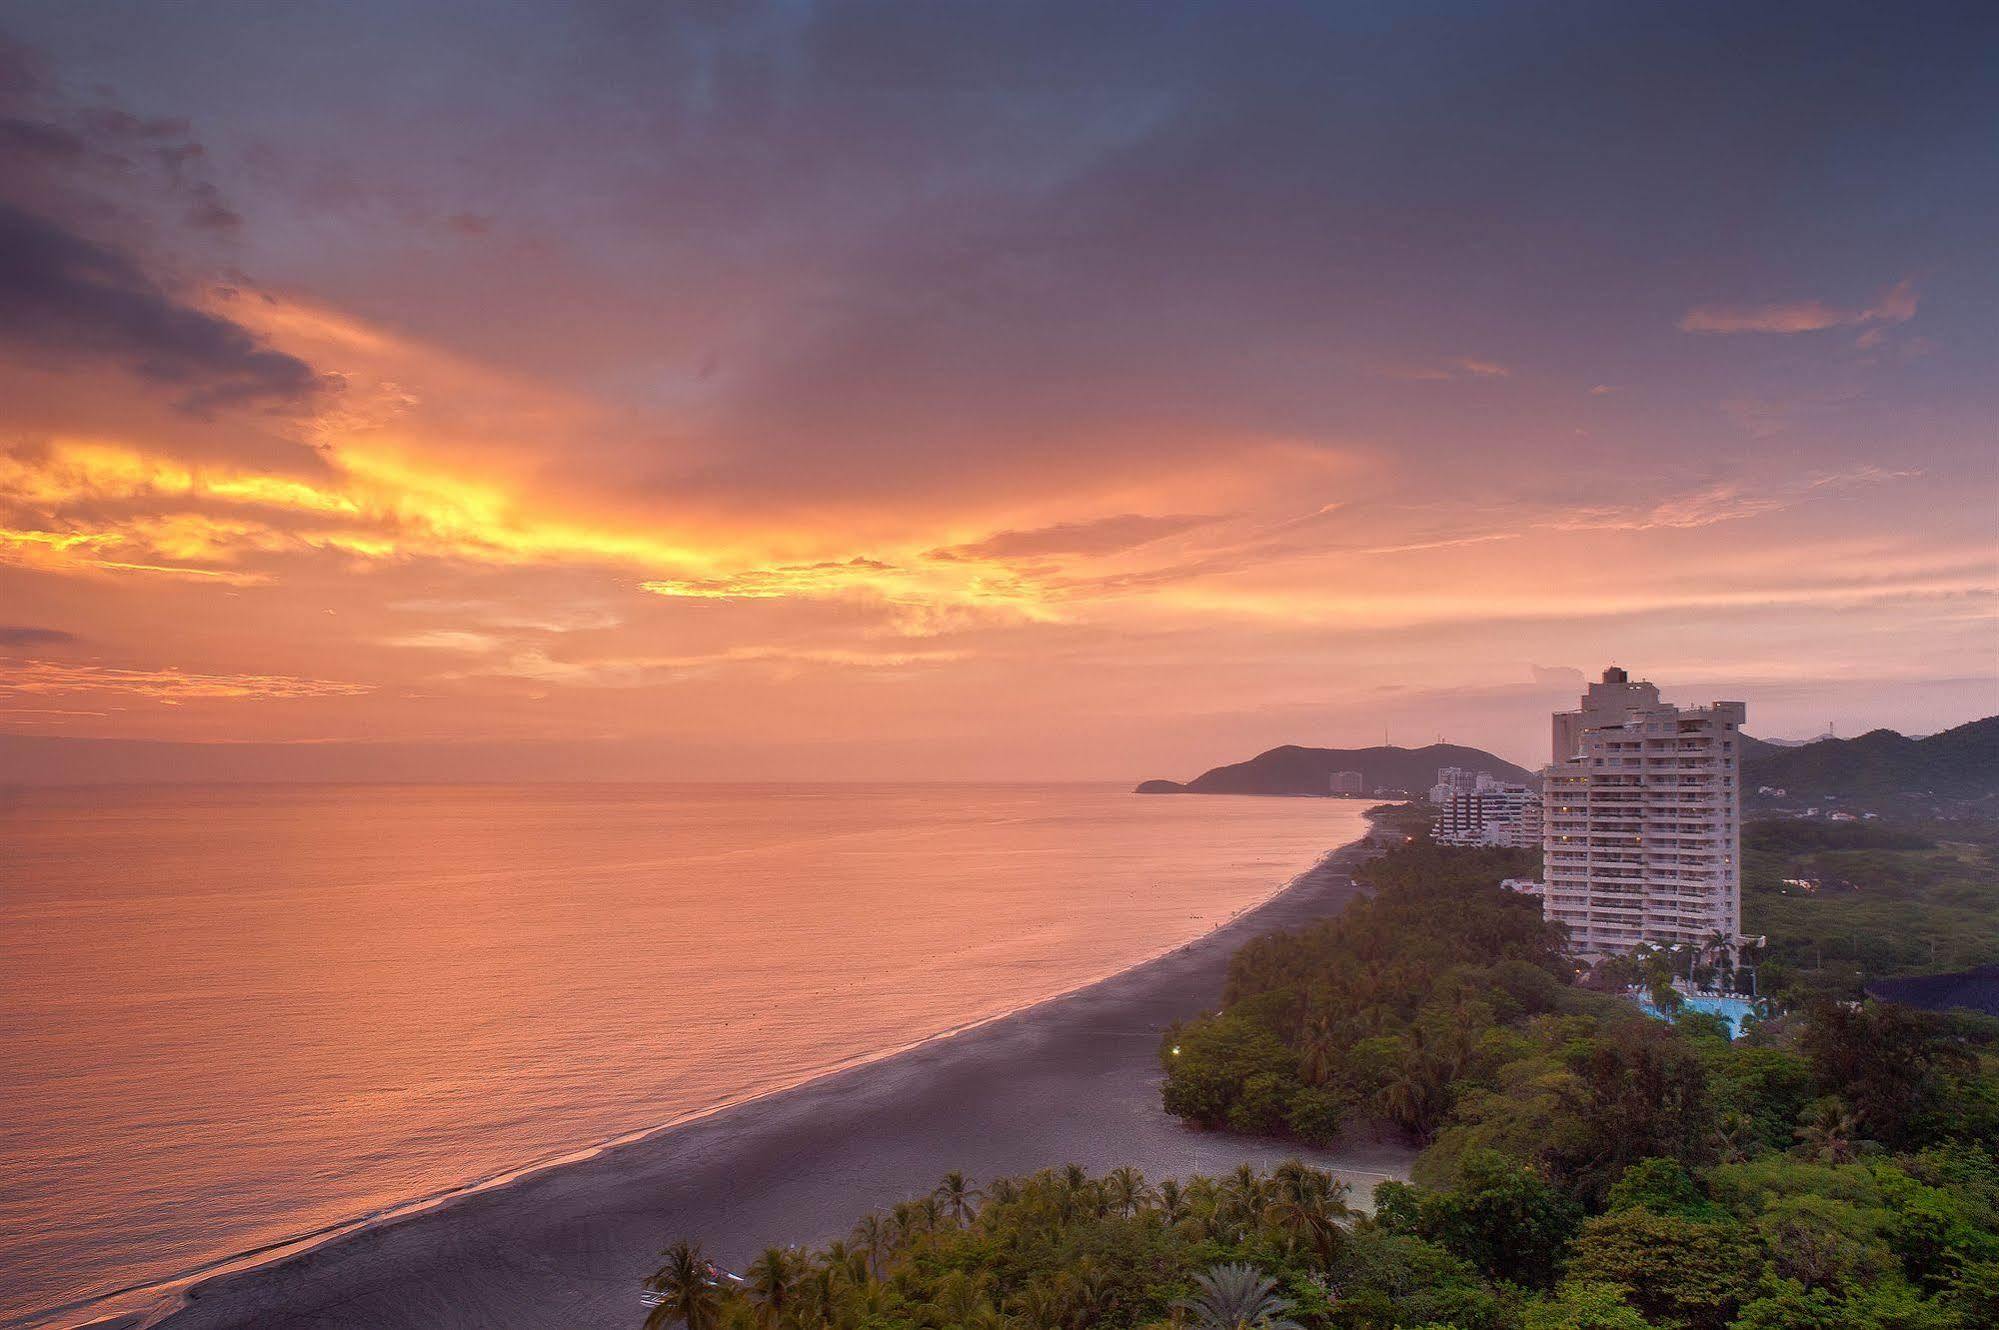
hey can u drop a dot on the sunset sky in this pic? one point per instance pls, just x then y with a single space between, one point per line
990 389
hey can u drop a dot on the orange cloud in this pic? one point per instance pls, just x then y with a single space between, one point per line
87 506
41 678
1102 535
1896 305
375 505
921 598
89 551
538 666
810 579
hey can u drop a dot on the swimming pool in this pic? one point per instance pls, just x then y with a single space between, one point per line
1733 1011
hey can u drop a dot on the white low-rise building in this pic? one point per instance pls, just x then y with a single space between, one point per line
1485 811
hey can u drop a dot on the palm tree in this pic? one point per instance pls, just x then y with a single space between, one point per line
1239 1201
959 1197
1735 1137
1004 1191
1204 1204
1747 958
1173 1205
684 1290
1656 974
1076 1194
1042 1306
1616 973
961 1300
849 1262
773 1280
864 1302
816 1297
1306 1205
1721 951
1409 1096
1237 1297
904 1223
1086 1288
1319 1052
1654 964
876 1239
1827 1133
1375 1018
1126 1190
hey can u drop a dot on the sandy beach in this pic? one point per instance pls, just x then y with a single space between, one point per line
1074 1079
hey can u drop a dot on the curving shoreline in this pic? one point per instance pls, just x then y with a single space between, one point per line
1071 1078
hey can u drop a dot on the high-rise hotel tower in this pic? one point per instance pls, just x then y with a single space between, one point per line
1642 820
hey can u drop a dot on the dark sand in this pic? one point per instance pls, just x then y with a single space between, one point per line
1071 1080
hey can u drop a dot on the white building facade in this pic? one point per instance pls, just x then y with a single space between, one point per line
1642 820
1487 812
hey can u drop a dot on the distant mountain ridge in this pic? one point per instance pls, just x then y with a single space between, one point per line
1960 763
1292 770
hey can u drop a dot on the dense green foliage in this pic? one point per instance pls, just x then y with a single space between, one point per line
1847 903
1057 1251
1378 1012
1412 819
1589 1166
1960 763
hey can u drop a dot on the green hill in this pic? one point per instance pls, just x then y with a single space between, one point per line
1292 770
1962 763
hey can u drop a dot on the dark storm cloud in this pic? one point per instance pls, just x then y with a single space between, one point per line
63 295
81 189
15 636
49 146
22 138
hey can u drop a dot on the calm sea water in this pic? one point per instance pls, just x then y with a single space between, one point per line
230 1016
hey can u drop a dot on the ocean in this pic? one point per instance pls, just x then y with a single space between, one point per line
237 1018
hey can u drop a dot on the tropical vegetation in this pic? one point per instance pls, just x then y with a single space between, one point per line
1595 1167
1960 764
1059 1250
1846 903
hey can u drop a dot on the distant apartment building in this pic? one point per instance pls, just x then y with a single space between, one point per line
1485 811
1642 820
1349 782
1453 780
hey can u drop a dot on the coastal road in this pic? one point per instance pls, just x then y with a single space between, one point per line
1073 1080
